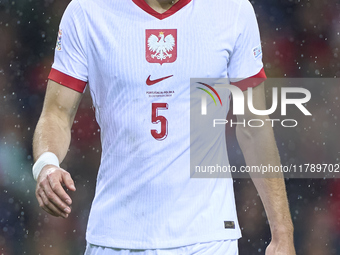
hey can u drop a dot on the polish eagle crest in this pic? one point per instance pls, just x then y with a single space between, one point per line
160 46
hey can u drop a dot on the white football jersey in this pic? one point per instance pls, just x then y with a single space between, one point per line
138 64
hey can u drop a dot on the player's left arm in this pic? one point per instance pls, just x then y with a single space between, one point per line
259 148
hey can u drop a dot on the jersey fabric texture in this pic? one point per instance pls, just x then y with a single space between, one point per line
138 64
224 247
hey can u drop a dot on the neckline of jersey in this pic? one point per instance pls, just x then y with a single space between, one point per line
175 8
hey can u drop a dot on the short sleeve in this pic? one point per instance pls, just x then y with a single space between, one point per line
246 58
70 60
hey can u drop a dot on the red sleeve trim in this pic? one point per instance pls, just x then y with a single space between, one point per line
252 81
67 81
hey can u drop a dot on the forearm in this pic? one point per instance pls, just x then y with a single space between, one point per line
53 131
52 134
259 148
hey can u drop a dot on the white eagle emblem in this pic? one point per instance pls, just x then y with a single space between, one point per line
162 46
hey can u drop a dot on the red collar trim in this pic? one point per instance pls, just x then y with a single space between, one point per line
176 7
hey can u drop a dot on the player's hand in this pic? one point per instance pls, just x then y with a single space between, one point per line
281 246
49 191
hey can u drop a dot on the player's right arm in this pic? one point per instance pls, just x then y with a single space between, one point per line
53 134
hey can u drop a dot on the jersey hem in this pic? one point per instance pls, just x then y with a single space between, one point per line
252 81
67 80
126 244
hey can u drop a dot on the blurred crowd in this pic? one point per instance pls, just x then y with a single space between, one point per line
300 38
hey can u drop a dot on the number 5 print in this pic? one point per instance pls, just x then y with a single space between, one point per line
155 118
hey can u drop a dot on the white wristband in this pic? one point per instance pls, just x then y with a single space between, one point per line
47 158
